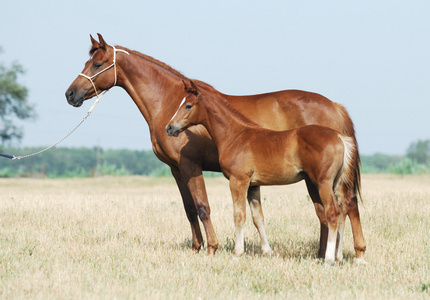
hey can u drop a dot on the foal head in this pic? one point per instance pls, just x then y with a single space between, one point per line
99 73
188 112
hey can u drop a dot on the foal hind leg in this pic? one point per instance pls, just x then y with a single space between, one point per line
254 200
332 213
319 209
357 232
190 210
341 223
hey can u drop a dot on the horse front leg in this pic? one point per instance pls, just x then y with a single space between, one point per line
193 176
190 210
254 200
238 189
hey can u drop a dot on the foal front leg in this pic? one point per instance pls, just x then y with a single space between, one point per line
254 200
238 189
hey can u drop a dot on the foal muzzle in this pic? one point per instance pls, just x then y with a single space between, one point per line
172 131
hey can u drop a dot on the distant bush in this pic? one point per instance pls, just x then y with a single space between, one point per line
112 170
408 166
378 163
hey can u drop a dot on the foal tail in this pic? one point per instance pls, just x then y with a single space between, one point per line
348 129
350 174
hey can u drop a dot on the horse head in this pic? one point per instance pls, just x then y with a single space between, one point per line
187 113
99 73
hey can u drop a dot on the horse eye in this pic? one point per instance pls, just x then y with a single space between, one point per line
188 107
96 65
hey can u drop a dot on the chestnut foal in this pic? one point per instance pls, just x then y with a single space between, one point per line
250 155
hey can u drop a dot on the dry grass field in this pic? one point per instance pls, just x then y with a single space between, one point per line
128 237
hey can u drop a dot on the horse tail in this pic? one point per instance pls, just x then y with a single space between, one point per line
350 174
348 130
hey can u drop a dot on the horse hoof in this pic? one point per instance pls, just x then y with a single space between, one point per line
211 250
330 263
238 253
196 249
267 253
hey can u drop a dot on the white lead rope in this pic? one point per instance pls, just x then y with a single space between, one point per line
66 136
90 78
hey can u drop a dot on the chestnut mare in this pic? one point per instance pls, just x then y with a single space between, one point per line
250 155
157 90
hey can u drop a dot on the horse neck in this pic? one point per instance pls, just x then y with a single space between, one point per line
151 85
223 122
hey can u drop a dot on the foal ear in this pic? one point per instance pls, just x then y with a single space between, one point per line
102 41
193 88
187 86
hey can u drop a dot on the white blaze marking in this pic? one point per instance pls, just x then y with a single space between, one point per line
182 102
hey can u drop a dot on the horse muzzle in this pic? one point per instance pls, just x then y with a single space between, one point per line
172 130
74 99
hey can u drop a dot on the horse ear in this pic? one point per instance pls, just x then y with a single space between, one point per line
102 41
193 88
94 43
186 86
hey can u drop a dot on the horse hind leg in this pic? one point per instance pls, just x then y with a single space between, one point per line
254 200
357 232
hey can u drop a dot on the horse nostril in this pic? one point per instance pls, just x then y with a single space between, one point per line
70 94
168 128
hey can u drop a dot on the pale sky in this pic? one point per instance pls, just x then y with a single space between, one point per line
370 56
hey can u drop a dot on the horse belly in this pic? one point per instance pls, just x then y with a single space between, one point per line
279 175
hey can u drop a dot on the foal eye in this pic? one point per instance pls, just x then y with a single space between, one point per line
96 65
188 107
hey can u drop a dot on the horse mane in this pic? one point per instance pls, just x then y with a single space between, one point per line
148 58
166 67
154 61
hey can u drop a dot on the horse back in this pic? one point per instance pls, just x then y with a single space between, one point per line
289 109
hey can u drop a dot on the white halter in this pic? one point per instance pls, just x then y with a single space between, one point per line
90 78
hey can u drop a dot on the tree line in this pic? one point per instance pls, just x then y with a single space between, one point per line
86 162
81 162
